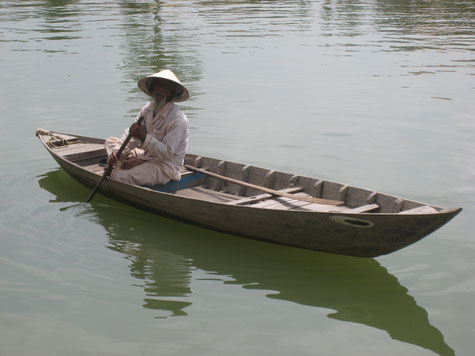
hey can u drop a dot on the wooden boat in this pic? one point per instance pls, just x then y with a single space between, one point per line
246 201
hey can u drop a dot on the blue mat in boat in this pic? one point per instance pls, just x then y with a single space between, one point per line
184 183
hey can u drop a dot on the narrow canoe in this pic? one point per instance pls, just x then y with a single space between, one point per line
366 223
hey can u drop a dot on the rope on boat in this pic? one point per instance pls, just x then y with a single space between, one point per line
55 140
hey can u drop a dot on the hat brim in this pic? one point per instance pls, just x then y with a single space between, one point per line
142 84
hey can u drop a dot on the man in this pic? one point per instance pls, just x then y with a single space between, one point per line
158 146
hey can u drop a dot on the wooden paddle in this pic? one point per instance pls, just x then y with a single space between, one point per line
264 189
110 166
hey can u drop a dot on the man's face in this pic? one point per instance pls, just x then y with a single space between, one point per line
160 91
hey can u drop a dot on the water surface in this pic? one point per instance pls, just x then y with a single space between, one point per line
377 94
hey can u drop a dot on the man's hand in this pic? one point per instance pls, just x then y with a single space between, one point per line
113 157
137 131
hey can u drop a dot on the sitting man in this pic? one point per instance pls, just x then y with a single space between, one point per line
158 146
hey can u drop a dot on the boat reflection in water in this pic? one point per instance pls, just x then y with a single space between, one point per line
163 253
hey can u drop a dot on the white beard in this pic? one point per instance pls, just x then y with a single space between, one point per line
158 105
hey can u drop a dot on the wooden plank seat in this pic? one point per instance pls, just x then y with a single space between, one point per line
282 202
297 205
76 152
321 208
260 197
78 147
362 209
206 194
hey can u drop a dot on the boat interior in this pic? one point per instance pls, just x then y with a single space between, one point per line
89 152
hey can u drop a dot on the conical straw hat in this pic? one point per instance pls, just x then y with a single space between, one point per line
167 75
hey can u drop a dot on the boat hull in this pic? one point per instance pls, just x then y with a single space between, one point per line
362 235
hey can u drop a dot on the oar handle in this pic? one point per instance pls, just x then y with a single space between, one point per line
129 136
110 166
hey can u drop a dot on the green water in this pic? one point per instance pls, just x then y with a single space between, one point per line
378 94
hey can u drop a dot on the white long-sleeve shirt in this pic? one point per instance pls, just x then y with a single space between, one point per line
167 137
